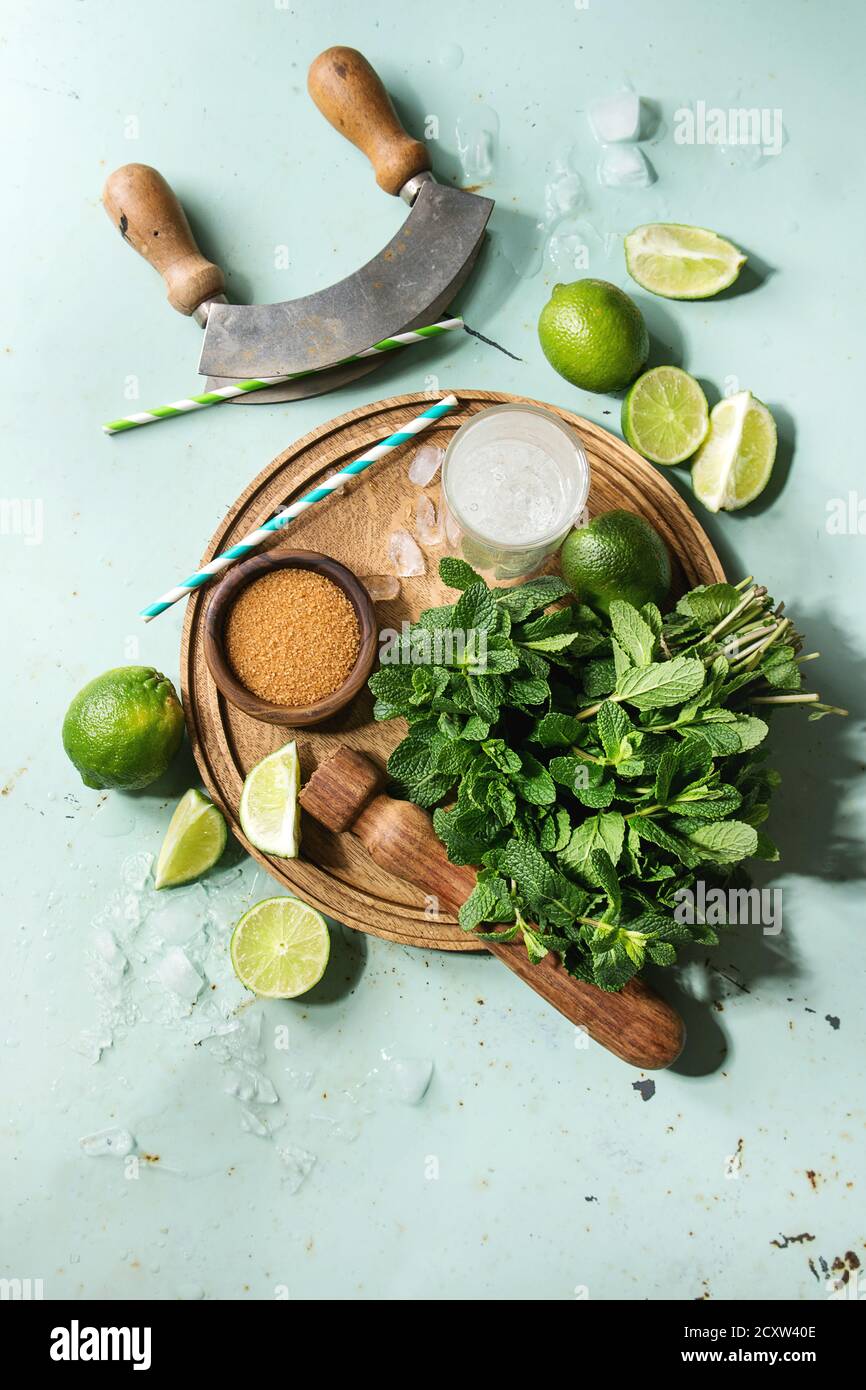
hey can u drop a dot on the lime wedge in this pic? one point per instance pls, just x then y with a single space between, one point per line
733 466
665 415
280 948
680 262
194 841
269 813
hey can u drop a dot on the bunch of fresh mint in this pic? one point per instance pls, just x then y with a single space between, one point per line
595 765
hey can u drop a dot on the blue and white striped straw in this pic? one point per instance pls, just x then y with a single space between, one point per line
287 514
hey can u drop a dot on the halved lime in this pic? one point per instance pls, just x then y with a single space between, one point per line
268 812
680 262
194 841
733 466
280 948
665 415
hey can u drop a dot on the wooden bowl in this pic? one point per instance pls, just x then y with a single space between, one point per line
220 604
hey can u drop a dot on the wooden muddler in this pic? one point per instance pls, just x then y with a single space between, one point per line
346 793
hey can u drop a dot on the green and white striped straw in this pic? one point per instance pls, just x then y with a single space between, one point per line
241 388
282 518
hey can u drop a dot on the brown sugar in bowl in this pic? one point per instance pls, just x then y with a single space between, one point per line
229 589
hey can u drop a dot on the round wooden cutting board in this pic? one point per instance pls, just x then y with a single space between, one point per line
335 873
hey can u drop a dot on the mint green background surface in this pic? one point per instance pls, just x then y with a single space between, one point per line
554 1174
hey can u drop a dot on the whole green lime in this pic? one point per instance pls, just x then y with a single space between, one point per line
123 728
618 555
593 335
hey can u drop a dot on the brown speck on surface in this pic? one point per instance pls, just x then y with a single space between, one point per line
813 1179
149 1158
785 1241
10 785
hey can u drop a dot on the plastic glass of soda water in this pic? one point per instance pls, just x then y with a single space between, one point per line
514 481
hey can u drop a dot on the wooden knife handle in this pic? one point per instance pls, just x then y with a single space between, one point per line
146 212
345 793
350 95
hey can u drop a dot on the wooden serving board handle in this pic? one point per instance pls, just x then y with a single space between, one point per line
345 793
350 95
147 213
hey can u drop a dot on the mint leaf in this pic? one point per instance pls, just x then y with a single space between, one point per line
533 691
465 834
528 598
709 603
725 842
475 729
557 731
489 901
412 766
604 831
662 683
605 876
680 849
599 678
636 637
614 728
475 610
533 782
456 573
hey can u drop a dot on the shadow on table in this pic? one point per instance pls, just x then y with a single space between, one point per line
818 763
345 967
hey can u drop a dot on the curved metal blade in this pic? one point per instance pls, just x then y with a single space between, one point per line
332 378
428 259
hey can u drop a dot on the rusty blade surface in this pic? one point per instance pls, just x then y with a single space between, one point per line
412 278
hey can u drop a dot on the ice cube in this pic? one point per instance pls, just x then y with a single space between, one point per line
403 1078
742 156
426 464
298 1163
568 251
477 132
265 1090
247 1083
252 1124
240 1084
405 556
135 870
382 587
563 195
427 526
114 1143
109 952
176 974
178 918
625 166
615 118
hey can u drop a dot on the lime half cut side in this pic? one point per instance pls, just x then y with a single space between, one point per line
280 948
733 466
194 841
681 262
665 415
269 812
